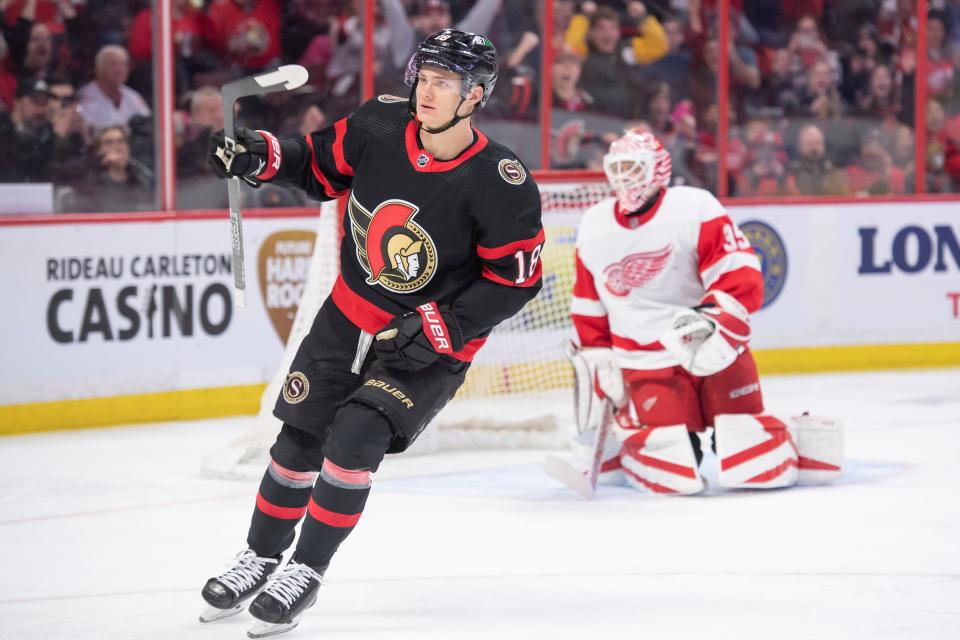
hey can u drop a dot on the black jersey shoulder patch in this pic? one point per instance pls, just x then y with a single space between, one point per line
512 171
387 98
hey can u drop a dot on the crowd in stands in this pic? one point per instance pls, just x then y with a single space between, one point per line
822 92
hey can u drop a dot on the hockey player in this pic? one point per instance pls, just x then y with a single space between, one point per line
665 284
442 240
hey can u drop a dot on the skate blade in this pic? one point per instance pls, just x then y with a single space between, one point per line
267 629
212 614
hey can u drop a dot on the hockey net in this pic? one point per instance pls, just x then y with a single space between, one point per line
517 393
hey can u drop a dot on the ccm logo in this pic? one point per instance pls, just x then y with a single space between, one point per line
434 328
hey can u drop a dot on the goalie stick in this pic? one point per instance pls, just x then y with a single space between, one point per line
285 78
582 481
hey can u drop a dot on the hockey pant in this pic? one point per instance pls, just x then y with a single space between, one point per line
338 425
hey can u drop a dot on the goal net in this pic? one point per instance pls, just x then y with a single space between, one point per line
518 392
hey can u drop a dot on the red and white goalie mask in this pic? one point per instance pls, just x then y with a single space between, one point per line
637 166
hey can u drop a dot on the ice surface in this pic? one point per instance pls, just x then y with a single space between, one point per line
111 533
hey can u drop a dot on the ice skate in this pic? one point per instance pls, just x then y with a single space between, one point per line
228 593
285 599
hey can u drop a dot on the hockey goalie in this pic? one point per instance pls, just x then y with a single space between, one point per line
665 285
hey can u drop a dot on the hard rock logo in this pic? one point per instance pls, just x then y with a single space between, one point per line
396 252
283 265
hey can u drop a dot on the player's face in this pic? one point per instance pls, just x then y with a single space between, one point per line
438 95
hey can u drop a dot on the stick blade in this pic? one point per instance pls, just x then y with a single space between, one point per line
291 76
567 474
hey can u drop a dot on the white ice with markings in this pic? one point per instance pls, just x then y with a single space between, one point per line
111 534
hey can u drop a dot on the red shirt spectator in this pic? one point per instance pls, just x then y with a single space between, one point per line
188 28
246 31
47 13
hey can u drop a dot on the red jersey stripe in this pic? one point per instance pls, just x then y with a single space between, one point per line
488 273
340 127
583 284
328 189
593 331
631 345
492 253
745 284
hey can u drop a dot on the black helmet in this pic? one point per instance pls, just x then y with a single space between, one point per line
472 56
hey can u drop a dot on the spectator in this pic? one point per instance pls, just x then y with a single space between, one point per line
874 173
431 16
106 101
197 187
118 183
812 173
943 150
942 77
656 108
246 33
69 131
859 66
682 144
604 69
763 173
647 46
567 94
30 55
818 98
674 67
32 150
881 101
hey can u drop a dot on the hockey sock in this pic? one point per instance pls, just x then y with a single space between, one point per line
333 511
281 502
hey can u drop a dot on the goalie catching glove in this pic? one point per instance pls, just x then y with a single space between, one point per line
415 340
709 337
254 157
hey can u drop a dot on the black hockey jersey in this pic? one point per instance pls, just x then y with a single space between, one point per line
464 233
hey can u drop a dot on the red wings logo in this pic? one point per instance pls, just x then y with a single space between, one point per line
636 270
394 250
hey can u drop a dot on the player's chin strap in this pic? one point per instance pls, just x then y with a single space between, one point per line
453 121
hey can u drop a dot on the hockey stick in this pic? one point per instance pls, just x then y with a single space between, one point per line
285 78
582 481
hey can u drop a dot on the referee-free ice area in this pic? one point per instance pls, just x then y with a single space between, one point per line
110 534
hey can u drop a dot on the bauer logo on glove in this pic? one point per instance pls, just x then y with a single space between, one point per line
416 339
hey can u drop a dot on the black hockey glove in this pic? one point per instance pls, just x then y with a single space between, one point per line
416 339
255 158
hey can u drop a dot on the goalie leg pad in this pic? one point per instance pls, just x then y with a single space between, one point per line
610 472
658 459
755 452
820 447
665 397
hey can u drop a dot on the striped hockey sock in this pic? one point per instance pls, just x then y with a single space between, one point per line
281 502
333 511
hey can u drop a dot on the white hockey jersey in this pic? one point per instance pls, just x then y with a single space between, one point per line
634 273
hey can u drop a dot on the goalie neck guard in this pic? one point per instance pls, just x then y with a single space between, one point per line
471 56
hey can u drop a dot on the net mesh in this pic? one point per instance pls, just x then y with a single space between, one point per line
517 392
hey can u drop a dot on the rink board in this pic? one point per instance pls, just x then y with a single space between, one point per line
111 321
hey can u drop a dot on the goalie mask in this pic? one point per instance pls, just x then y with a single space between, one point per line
637 166
471 56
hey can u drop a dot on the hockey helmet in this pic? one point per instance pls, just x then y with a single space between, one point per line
637 166
472 56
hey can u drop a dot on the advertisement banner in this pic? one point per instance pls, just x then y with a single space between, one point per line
856 274
120 308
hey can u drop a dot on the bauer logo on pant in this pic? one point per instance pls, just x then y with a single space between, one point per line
296 388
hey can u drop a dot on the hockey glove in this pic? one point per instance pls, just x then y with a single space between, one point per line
416 339
255 157
710 337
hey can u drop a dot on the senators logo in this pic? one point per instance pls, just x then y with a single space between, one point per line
394 250
636 270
